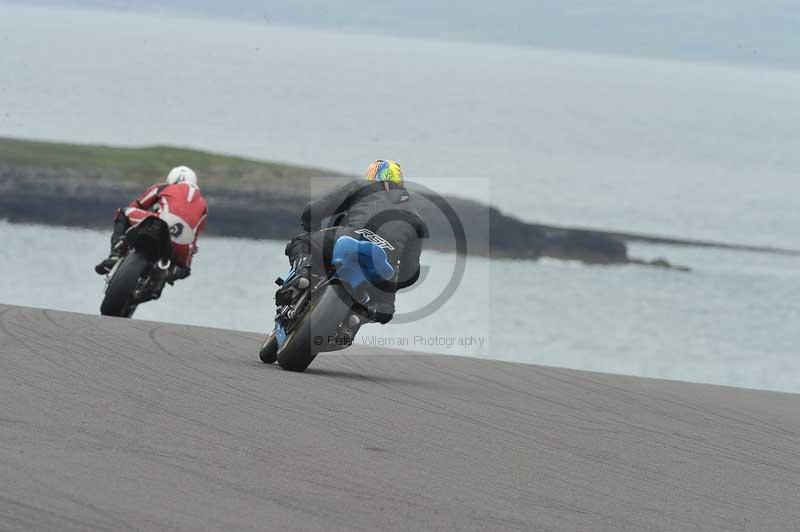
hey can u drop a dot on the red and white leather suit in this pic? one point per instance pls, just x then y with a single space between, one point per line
183 208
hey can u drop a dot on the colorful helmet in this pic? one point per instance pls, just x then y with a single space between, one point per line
181 174
382 170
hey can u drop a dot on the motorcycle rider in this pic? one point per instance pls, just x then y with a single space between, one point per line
379 210
178 202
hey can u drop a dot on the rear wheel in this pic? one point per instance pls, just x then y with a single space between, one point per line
319 323
118 299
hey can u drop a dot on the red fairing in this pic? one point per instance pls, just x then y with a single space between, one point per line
182 207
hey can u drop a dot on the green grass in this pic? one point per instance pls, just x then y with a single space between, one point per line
150 164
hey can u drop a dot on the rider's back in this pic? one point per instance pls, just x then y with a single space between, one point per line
383 208
390 213
184 201
184 209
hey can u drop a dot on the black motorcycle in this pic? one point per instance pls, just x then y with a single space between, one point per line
327 315
140 275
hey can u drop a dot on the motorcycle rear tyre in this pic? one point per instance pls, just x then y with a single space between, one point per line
118 298
315 327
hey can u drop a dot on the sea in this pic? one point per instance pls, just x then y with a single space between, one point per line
675 148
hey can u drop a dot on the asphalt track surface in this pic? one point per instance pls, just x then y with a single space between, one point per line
110 424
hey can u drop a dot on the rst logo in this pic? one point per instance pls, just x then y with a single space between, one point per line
375 239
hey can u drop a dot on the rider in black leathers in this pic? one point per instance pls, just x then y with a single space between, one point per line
380 210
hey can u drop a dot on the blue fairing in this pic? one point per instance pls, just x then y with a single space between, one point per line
280 334
289 275
356 262
360 261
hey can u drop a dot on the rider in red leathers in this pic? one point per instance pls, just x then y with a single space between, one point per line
178 202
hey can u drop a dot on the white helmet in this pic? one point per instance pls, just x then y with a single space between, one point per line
182 174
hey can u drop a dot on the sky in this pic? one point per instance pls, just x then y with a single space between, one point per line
730 31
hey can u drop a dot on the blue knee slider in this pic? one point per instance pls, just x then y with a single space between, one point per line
360 261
